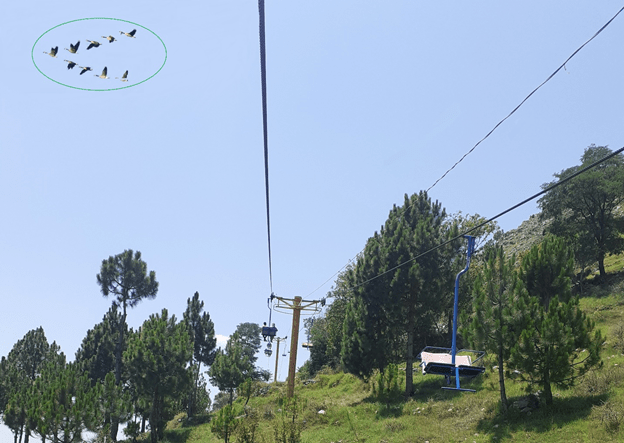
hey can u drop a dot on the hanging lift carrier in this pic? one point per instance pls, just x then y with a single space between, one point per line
269 331
446 361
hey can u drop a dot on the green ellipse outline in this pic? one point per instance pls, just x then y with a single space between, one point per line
32 54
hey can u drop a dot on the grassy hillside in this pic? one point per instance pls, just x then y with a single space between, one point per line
338 407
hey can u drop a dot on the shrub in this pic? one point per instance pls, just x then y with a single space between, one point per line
610 414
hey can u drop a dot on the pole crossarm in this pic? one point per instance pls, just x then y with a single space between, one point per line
296 305
288 304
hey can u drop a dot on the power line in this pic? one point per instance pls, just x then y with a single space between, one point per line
525 99
265 130
488 134
516 206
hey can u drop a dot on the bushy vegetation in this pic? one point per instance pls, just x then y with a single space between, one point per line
555 337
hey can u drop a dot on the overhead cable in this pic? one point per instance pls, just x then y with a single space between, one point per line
480 225
526 98
493 129
265 131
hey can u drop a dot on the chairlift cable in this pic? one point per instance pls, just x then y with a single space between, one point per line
265 130
526 98
480 225
491 131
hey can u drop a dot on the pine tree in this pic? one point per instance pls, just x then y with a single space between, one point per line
555 345
96 354
201 331
63 403
492 325
125 277
405 294
230 367
21 368
585 209
156 357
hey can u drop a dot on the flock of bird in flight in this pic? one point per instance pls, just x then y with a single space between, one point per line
92 44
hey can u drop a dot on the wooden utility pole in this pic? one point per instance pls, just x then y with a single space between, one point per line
292 366
277 357
296 305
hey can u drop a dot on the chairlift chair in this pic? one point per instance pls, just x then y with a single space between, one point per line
445 361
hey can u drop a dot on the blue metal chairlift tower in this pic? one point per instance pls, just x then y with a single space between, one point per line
445 361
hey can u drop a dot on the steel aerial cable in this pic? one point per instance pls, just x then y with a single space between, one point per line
525 99
480 225
495 127
265 130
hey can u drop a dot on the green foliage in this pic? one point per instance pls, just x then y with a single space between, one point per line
96 354
358 355
234 364
132 430
201 332
492 327
316 328
555 345
287 427
225 423
585 209
156 359
63 403
400 295
229 367
245 389
247 431
248 336
125 278
113 401
386 386
18 372
611 415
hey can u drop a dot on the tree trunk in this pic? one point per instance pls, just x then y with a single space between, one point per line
501 382
547 390
154 417
601 267
118 354
409 360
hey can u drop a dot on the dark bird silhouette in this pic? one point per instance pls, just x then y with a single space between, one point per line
129 34
84 69
93 44
73 48
70 65
52 52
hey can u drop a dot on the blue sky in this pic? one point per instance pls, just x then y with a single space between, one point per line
367 101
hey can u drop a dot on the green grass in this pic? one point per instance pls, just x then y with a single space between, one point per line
592 411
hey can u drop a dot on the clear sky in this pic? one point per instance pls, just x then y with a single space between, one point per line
367 101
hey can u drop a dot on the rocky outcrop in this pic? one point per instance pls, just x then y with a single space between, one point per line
529 233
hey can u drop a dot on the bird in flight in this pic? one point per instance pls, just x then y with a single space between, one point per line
124 77
84 69
93 44
73 48
129 34
110 38
70 65
104 72
52 52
